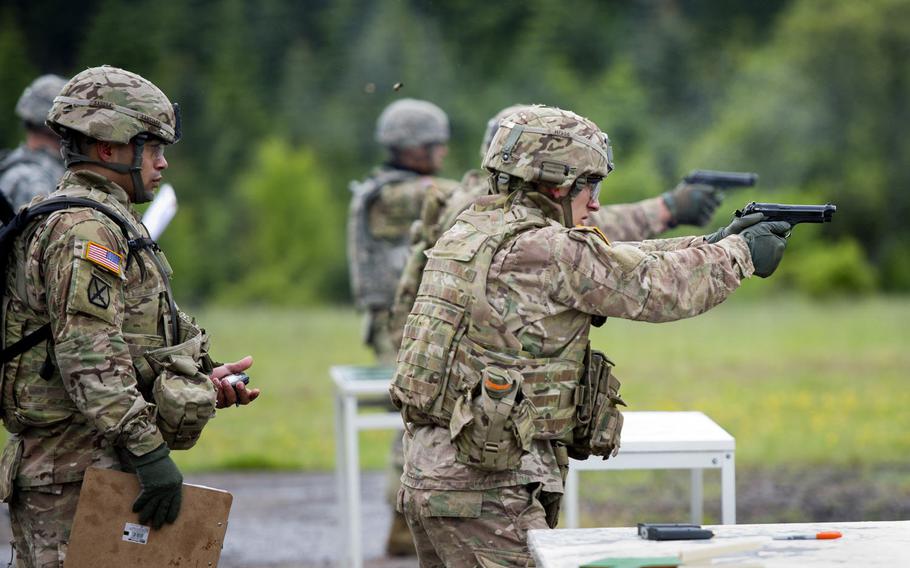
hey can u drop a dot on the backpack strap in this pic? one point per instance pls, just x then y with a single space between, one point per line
135 243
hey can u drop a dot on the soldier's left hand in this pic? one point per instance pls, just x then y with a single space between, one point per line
692 204
238 394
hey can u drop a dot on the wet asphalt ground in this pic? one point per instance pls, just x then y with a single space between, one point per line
287 520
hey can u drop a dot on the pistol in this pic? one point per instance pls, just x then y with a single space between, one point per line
792 214
722 180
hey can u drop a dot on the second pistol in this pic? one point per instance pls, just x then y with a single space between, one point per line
722 180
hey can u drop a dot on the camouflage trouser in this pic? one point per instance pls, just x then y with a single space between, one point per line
472 528
41 522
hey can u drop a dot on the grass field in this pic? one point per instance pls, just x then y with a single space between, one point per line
795 382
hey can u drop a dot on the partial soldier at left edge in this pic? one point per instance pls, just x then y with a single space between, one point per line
100 366
35 167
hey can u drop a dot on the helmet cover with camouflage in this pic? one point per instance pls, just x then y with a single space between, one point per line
493 126
409 123
548 145
37 98
114 105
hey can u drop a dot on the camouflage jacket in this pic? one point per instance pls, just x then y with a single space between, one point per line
27 173
71 269
621 222
545 284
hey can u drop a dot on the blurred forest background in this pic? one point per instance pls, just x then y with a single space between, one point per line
280 100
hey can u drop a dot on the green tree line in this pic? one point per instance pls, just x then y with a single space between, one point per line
280 98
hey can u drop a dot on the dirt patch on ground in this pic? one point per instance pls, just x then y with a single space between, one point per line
290 520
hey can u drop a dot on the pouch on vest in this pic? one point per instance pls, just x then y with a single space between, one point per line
493 429
182 390
599 419
9 466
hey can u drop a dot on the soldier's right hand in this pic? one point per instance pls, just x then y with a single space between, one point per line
161 485
767 241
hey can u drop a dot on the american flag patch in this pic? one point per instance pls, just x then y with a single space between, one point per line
103 256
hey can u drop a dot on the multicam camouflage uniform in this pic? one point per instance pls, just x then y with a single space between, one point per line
510 292
83 398
623 222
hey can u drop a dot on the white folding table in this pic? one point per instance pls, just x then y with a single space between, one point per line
650 440
353 385
667 440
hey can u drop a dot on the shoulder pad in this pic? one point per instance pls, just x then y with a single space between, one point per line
582 232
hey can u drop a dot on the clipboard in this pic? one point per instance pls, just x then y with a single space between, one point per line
107 534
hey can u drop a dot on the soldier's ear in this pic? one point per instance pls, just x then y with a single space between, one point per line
105 151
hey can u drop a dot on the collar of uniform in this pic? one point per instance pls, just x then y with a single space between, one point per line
99 182
536 200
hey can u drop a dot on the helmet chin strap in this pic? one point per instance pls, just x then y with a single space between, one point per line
140 195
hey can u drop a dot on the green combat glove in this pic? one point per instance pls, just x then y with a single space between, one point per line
735 227
161 483
692 204
767 242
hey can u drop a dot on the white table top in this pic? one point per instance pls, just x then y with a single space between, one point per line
866 544
682 431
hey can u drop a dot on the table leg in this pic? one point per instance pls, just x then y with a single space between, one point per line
570 499
728 489
352 464
696 496
341 473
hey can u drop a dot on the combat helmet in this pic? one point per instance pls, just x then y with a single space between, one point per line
547 145
408 123
37 98
114 105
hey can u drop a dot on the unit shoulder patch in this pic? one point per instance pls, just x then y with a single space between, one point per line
99 292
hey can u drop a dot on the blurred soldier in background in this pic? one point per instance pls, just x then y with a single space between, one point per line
496 379
686 204
386 204
35 167
100 367
383 208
